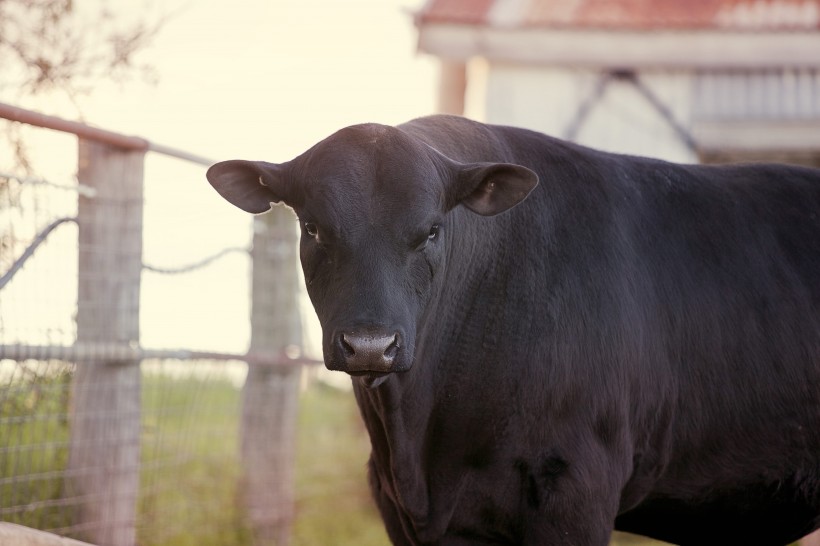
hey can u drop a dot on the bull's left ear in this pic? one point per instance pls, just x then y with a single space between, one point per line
491 188
250 185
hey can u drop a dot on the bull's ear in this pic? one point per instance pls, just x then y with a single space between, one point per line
250 185
491 188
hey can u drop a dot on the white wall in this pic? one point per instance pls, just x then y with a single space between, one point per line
622 120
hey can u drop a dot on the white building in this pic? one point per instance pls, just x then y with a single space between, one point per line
696 80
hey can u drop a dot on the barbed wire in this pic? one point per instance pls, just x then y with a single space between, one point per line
85 191
196 265
45 232
29 251
90 192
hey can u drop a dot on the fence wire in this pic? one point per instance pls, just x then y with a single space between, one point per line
188 436
169 440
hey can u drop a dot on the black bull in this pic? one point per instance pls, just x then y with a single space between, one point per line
549 342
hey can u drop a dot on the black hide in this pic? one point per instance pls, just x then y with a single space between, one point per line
548 342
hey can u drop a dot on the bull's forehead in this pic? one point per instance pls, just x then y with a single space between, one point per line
370 175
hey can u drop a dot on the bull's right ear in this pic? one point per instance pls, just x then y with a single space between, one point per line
489 188
250 185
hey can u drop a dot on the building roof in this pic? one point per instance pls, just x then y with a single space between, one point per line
750 34
750 15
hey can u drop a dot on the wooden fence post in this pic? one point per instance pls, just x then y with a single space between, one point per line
104 454
270 394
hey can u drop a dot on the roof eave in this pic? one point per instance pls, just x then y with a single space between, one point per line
624 48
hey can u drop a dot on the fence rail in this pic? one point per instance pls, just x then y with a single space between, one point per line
85 352
95 134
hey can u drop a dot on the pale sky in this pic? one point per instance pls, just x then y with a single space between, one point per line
268 78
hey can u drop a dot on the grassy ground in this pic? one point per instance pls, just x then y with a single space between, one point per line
33 443
334 504
200 504
190 468
188 489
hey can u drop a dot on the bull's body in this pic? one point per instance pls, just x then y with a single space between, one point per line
635 345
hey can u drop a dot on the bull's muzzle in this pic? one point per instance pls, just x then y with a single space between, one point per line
369 351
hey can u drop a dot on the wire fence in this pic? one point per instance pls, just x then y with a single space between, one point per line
188 433
143 399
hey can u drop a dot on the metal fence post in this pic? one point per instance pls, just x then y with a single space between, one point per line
104 454
270 395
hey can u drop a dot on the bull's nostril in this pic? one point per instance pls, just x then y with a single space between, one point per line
346 347
393 348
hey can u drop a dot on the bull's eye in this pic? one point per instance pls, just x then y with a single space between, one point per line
432 235
311 229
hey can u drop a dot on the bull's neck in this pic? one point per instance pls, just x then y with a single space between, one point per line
395 431
402 413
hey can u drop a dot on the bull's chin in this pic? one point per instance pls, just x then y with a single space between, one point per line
370 379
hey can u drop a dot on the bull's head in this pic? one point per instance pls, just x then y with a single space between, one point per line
374 205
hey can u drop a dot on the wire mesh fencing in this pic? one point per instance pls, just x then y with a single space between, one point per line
131 410
191 473
188 433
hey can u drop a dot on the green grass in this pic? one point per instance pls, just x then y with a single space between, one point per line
34 443
197 424
189 484
334 505
191 470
